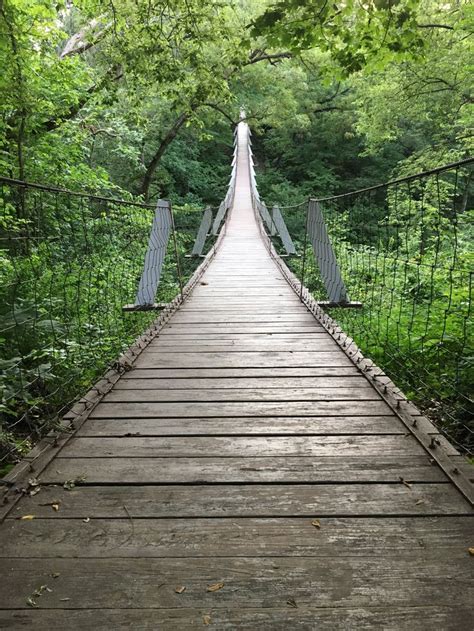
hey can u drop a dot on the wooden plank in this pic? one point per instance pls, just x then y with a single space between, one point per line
238 328
276 537
229 336
282 500
223 283
281 383
141 395
225 408
244 371
259 359
240 447
262 305
271 300
229 339
247 286
264 313
229 318
222 346
224 426
325 425
270 324
282 618
350 469
260 582
247 289
251 291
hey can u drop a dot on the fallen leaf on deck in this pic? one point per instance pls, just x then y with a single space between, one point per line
215 587
27 517
86 520
180 589
407 484
30 602
63 600
316 523
471 551
292 603
54 504
206 619
40 590
70 484
55 574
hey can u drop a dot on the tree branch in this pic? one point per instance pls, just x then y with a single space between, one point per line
221 111
163 146
446 26
260 55
79 42
330 108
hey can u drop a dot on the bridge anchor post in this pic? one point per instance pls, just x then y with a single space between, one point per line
326 260
154 259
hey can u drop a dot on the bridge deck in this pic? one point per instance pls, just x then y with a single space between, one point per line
244 451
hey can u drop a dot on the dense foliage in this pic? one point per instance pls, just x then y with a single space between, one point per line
138 99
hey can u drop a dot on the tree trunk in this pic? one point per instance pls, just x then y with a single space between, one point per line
164 144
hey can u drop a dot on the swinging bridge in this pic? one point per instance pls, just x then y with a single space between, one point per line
242 465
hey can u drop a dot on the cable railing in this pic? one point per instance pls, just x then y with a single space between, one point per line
401 252
72 265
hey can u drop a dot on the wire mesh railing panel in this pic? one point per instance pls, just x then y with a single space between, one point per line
69 263
404 250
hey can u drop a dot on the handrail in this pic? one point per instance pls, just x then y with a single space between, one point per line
401 180
65 191
408 178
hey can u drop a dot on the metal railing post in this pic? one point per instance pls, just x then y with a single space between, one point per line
202 232
155 255
305 243
280 227
325 256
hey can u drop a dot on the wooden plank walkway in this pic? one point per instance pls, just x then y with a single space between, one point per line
244 474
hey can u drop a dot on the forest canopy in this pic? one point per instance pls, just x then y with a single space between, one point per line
134 94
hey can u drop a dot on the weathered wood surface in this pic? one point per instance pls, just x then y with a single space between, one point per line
242 359
241 447
203 331
249 582
282 618
209 461
268 371
230 425
282 384
324 470
249 536
141 395
256 317
245 408
346 501
229 346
